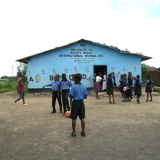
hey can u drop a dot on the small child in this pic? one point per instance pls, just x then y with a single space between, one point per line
110 88
78 92
149 85
20 89
137 85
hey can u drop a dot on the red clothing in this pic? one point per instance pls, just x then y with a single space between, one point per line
19 86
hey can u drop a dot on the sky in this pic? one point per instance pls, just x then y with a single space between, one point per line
32 26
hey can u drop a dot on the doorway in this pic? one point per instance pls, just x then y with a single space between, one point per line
100 68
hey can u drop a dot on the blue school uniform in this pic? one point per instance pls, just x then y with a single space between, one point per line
65 85
78 92
54 85
148 85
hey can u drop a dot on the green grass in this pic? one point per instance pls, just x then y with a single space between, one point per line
10 86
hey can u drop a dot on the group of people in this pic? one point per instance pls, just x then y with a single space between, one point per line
67 88
77 92
126 86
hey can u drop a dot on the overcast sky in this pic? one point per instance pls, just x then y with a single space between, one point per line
32 26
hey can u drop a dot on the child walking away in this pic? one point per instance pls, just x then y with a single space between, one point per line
97 86
54 86
110 88
137 85
78 93
149 88
20 89
64 84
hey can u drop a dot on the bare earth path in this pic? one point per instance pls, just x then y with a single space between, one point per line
124 131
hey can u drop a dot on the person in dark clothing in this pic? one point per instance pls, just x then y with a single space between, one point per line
130 81
149 85
137 85
54 86
125 88
110 88
64 84
120 85
114 78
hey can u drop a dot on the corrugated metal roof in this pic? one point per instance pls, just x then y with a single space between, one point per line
143 57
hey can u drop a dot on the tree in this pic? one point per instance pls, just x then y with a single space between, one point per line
22 68
145 69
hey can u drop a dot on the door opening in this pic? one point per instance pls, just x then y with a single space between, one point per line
100 68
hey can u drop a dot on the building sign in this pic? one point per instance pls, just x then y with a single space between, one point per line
81 55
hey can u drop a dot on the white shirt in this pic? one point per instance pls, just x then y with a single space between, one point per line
98 79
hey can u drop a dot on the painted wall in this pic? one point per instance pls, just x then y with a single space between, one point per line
79 58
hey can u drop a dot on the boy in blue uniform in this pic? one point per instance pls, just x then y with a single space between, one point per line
55 92
149 84
78 93
64 84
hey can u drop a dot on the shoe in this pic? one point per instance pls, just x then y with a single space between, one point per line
110 102
150 100
83 134
124 101
113 102
73 134
129 100
14 103
53 112
25 104
146 100
122 97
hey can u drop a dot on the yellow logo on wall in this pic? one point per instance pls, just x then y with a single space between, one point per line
37 78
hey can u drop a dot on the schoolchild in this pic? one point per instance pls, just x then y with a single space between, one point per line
130 81
149 85
125 87
20 89
78 92
114 78
137 85
110 88
120 85
97 86
64 84
54 86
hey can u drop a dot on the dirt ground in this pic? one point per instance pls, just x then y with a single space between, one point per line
121 131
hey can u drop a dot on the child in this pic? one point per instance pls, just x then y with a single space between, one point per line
20 89
130 79
125 87
110 88
78 93
97 86
137 85
104 83
149 85
114 78
120 85
73 83
94 78
134 83
54 86
64 84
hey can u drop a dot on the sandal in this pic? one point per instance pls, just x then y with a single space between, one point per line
73 134
83 134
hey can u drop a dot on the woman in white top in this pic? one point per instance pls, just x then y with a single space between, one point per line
104 83
97 86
